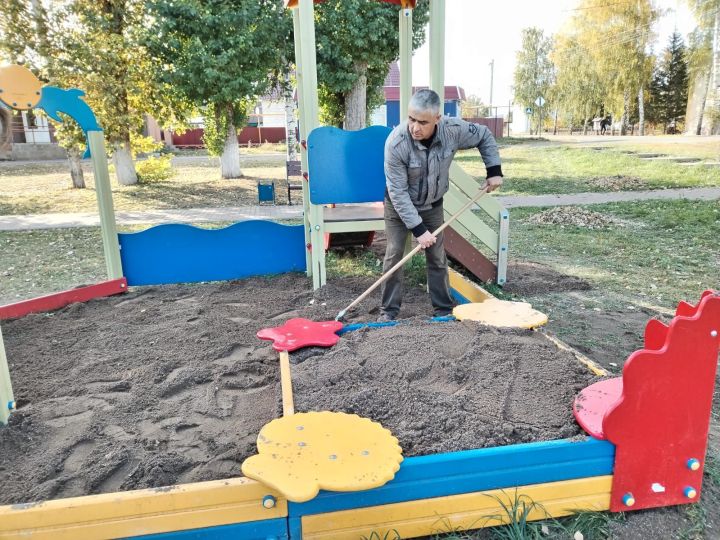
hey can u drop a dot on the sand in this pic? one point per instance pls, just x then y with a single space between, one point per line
167 385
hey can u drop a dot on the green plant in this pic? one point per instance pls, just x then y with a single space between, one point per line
154 169
516 512
387 536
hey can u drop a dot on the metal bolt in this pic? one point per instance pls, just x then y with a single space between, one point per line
713 333
29 104
317 227
14 104
299 428
332 457
690 492
628 499
365 453
301 443
503 248
693 464
37 93
269 501
11 405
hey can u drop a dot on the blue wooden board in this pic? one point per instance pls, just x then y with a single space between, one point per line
469 471
185 254
347 166
267 529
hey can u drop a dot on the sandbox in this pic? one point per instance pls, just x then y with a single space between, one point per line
168 385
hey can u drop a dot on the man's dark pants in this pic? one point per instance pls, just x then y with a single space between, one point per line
437 275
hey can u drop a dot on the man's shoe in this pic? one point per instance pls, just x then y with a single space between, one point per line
385 318
442 313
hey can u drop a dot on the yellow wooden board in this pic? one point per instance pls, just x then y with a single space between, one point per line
146 511
301 454
467 288
502 313
20 88
456 513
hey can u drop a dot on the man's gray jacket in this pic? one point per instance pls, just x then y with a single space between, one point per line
417 177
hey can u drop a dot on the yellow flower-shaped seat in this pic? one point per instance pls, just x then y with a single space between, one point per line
501 313
300 454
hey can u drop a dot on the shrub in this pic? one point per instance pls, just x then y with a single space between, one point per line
154 169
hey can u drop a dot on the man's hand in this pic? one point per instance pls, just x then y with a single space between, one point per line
426 239
493 183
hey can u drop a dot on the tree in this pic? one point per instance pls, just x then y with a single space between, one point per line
579 88
221 56
533 70
356 42
703 110
619 35
473 107
669 86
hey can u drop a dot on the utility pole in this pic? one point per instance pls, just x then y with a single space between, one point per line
492 69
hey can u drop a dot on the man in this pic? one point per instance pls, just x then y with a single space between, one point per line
418 154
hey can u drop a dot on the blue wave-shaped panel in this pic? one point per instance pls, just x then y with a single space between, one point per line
347 166
184 253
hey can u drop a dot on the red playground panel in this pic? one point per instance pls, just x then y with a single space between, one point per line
658 414
298 333
62 299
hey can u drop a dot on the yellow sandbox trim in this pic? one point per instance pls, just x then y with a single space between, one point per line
459 512
147 511
467 288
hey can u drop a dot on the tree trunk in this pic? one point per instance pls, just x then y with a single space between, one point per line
555 126
124 166
625 114
641 112
585 125
76 171
230 159
703 102
290 122
356 100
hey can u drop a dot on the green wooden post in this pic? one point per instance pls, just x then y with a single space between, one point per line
437 49
111 246
7 401
299 74
310 117
406 35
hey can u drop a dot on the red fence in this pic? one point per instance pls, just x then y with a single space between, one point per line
253 135
494 124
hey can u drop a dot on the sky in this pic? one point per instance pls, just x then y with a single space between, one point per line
479 31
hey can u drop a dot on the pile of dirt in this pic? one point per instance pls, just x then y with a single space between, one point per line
529 278
574 216
166 385
618 182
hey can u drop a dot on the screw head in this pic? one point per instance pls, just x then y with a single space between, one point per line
269 501
628 499
690 492
713 333
11 405
693 464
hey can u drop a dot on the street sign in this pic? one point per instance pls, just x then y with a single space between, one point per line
540 101
528 110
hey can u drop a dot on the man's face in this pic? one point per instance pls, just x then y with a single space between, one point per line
421 124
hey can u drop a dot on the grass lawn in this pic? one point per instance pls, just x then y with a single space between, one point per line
530 166
534 169
45 188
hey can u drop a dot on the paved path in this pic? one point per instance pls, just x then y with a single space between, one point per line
199 215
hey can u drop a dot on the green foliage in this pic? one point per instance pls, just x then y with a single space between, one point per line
473 107
219 55
154 169
139 144
669 87
533 68
357 38
516 513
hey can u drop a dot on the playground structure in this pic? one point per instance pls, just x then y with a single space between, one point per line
460 490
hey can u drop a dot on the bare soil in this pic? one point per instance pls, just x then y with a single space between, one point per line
168 385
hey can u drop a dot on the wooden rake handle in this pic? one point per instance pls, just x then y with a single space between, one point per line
480 194
286 384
